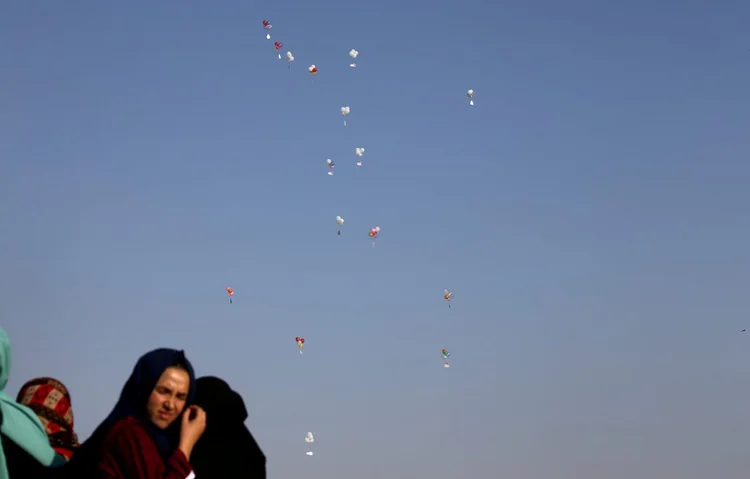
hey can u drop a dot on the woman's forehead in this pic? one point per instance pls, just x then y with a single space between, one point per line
175 377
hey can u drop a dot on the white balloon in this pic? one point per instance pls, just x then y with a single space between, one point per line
339 220
309 453
353 53
377 228
329 161
470 93
345 110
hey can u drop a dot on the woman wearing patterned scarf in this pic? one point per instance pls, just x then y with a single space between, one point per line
50 400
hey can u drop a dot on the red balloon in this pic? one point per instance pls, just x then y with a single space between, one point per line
297 339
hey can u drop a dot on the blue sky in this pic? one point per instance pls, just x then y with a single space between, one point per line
589 213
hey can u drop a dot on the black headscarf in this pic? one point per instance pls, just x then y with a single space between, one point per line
227 447
132 403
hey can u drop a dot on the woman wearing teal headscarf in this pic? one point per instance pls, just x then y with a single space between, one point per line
20 425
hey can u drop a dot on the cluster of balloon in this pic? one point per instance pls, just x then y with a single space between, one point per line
374 234
312 69
331 166
447 295
277 46
359 152
353 53
345 110
267 26
446 355
289 59
470 94
340 222
230 292
309 439
300 343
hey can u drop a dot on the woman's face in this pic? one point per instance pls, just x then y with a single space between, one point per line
168 398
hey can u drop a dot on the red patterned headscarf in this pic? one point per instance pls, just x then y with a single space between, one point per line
50 400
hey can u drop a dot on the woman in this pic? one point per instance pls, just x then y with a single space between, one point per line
25 451
50 400
227 449
151 432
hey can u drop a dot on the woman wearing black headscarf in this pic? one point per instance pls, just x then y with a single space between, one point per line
147 436
227 449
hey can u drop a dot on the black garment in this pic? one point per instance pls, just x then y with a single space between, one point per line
227 449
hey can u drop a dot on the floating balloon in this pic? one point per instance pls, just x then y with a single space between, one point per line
309 438
353 53
374 234
300 343
340 222
289 58
470 94
447 295
312 69
331 166
446 354
230 292
345 110
267 25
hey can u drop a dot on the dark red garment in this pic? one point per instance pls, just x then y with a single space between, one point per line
129 452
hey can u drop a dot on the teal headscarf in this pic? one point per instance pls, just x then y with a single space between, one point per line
19 423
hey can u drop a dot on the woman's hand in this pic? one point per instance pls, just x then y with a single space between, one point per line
193 425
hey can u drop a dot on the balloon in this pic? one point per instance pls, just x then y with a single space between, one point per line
339 220
353 53
313 69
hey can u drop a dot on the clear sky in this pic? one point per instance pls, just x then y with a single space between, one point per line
590 213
